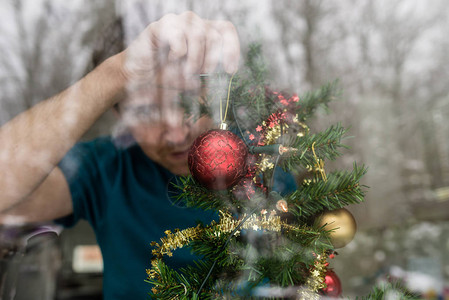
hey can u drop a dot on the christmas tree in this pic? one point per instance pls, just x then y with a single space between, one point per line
266 243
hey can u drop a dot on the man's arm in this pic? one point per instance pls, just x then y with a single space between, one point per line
170 52
35 141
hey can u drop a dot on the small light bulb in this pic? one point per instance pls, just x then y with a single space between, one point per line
281 205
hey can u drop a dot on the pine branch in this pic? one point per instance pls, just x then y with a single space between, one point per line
165 284
316 239
256 64
250 92
321 97
209 246
250 96
394 290
288 267
192 194
326 144
341 188
171 284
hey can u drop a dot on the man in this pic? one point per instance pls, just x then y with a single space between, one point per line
122 192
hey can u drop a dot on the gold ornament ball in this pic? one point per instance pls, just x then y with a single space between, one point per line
343 224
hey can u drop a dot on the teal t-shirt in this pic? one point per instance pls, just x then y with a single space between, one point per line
125 197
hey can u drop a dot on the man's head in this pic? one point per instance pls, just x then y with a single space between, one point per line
159 124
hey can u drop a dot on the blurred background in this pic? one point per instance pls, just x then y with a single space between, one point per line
391 58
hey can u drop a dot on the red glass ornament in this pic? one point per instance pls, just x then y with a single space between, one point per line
217 159
333 284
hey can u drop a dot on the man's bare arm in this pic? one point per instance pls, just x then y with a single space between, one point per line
34 142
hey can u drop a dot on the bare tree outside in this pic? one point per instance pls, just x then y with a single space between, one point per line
44 54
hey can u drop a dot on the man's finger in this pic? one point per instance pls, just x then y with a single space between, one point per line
167 33
213 52
231 45
195 30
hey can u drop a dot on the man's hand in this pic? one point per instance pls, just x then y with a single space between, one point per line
173 51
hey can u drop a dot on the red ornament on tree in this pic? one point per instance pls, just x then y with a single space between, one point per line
333 284
217 159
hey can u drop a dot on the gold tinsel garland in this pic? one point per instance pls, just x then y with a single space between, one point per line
176 240
228 224
315 281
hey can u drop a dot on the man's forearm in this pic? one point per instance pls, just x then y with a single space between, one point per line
35 141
